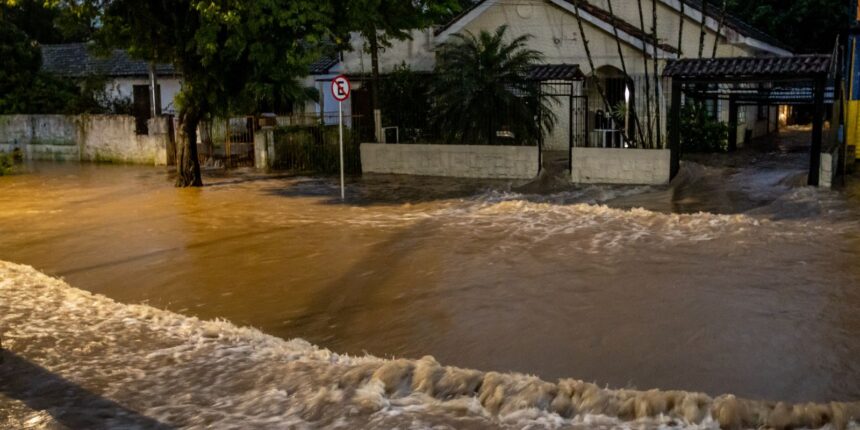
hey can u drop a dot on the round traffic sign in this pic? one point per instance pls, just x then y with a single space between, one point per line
340 88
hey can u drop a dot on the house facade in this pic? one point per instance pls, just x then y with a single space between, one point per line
555 32
126 78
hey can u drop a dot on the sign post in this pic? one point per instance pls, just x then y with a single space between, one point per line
340 90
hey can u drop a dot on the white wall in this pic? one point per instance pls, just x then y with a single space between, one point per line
460 161
102 138
620 166
170 87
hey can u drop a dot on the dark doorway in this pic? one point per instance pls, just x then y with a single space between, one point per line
142 106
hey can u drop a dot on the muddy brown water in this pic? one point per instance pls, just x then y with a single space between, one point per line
734 280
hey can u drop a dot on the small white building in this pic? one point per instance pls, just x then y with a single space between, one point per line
126 77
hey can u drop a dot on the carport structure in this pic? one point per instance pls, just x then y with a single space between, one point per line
762 81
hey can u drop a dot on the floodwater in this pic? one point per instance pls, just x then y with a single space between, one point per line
737 279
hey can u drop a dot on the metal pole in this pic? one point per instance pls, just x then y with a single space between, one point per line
340 127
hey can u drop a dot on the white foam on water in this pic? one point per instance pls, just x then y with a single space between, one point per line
188 373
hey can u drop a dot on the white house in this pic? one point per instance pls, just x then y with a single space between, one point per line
127 78
555 32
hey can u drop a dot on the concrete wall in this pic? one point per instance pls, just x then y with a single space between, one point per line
620 166
461 161
828 168
103 138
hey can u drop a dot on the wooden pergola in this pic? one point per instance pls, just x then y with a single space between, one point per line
762 81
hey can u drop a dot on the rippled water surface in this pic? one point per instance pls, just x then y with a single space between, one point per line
736 279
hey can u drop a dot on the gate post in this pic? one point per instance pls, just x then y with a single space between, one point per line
264 145
733 125
675 129
817 132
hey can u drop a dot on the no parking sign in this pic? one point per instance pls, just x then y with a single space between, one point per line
340 90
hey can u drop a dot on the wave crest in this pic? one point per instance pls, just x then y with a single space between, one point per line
190 373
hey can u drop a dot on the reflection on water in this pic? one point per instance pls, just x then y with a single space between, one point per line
626 286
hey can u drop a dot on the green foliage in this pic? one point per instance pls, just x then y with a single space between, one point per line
7 162
391 19
24 88
805 25
53 21
700 132
229 52
482 88
406 102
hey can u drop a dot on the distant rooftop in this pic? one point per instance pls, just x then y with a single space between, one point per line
76 61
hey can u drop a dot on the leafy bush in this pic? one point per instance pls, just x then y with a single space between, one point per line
7 162
700 132
405 103
25 89
482 93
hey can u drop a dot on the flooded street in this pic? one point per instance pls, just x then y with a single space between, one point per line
734 280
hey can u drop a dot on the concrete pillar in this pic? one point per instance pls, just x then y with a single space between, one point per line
675 129
817 132
158 129
733 125
264 147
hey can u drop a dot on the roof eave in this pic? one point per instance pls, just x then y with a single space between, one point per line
458 24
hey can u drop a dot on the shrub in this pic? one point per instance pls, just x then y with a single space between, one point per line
7 162
700 132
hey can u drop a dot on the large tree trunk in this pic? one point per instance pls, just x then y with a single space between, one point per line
187 163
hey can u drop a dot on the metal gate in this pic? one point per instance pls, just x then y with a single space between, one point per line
227 142
570 106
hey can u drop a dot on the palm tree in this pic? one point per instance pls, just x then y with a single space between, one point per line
482 87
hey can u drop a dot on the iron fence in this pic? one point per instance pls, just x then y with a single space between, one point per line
310 143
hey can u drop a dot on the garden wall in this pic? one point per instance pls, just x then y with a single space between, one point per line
103 138
620 166
461 161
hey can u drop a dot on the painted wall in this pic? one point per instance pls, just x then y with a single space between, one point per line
101 138
460 161
620 166
170 87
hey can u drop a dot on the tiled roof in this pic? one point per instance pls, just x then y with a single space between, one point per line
323 65
556 72
748 67
75 60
